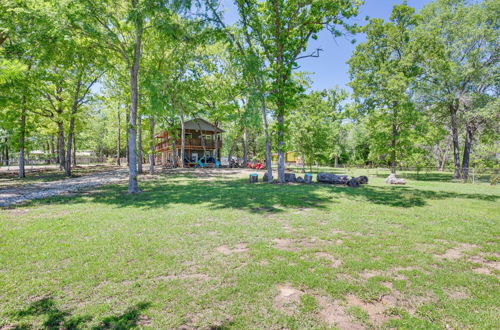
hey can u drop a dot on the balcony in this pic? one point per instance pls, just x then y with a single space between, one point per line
188 144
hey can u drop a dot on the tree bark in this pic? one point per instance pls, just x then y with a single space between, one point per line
230 155
152 145
445 157
467 148
118 142
303 163
74 149
245 147
269 165
67 166
22 140
134 94
183 140
139 144
52 148
127 137
394 136
71 131
174 153
281 143
6 148
60 144
454 134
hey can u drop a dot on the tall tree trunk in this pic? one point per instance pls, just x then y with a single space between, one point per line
393 147
303 163
454 134
67 166
394 136
152 145
22 140
60 144
139 144
6 159
280 91
127 137
134 95
74 150
175 159
281 144
118 142
52 149
230 155
269 165
245 147
71 131
445 157
467 148
183 140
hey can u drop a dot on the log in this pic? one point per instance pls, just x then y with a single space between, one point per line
363 179
253 178
332 178
354 183
289 177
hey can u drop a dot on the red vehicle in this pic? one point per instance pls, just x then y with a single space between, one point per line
256 166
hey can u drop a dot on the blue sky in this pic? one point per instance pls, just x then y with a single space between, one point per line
330 69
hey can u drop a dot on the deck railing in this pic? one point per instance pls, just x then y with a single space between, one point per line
189 143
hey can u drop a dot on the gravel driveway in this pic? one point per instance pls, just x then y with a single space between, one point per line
16 195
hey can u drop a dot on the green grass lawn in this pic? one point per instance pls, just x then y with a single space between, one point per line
212 251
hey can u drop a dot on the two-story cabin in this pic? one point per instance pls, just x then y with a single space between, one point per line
202 141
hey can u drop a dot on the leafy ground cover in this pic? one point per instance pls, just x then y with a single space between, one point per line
205 249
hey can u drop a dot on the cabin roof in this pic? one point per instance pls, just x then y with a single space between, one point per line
199 124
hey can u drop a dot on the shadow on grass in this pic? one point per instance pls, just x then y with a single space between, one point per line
255 198
56 318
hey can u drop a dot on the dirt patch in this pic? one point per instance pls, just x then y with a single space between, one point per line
482 270
287 244
378 310
333 313
334 262
457 294
480 259
16 212
143 320
239 248
456 252
346 277
338 232
287 300
392 273
203 277
287 228
367 274
375 310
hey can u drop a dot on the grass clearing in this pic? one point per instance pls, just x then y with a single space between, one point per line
207 249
